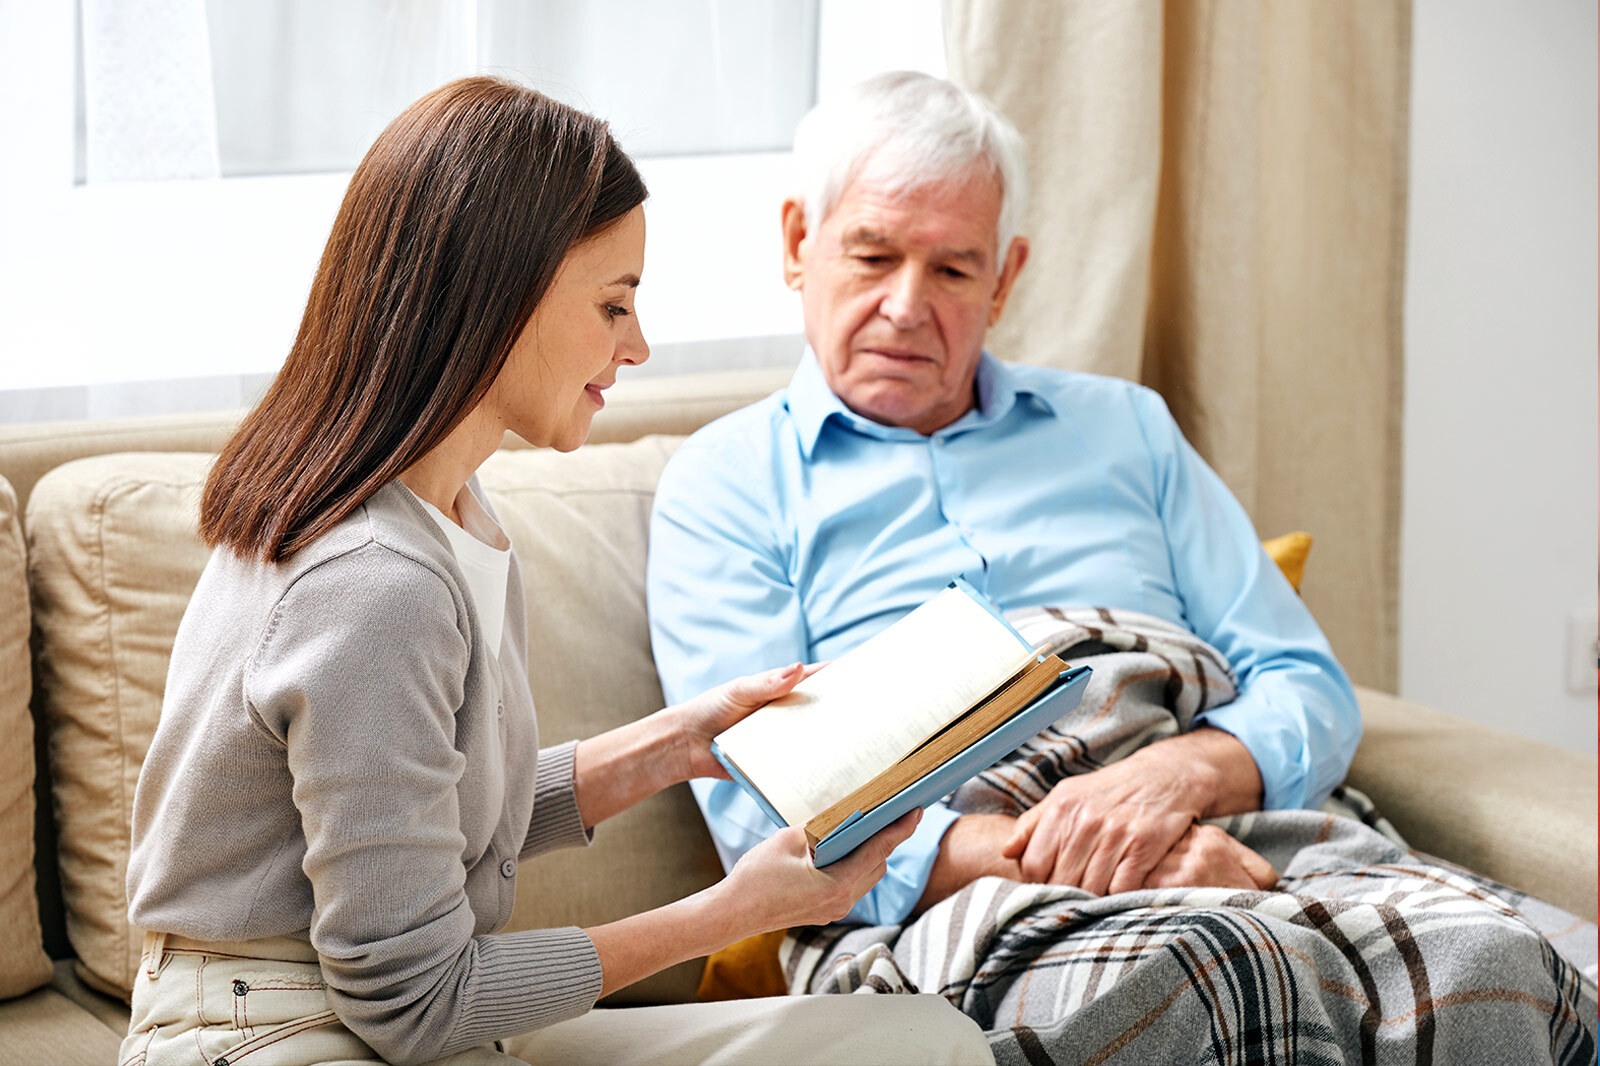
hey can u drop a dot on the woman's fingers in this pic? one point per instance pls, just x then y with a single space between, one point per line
757 689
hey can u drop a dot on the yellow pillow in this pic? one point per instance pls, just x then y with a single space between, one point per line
1289 552
749 968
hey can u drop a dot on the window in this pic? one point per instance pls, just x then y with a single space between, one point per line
149 276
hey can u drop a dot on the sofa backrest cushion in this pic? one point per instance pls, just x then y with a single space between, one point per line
580 523
23 963
114 557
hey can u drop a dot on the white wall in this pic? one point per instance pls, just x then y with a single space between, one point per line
1499 543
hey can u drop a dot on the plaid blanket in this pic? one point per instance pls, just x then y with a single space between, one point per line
1365 952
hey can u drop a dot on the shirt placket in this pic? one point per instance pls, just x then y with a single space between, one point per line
944 459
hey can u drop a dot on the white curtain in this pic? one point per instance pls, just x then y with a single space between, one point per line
195 89
1219 212
149 111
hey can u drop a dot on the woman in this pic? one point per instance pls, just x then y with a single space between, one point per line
346 772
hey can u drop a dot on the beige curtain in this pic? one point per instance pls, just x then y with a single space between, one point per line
1219 212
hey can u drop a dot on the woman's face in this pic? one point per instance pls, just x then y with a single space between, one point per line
568 353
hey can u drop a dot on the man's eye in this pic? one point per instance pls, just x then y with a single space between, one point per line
872 260
952 272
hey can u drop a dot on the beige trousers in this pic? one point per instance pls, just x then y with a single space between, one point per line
263 1003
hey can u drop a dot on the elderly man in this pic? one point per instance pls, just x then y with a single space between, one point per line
903 454
1130 921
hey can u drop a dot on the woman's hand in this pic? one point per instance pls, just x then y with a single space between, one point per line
697 721
775 886
622 766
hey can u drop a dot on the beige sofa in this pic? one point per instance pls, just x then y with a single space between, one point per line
98 556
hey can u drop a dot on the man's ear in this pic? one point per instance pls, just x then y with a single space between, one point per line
794 235
1016 256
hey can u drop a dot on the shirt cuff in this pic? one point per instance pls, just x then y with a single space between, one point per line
556 822
891 900
1278 752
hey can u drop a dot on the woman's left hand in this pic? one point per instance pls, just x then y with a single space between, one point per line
698 720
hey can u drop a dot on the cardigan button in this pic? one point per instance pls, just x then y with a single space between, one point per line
508 868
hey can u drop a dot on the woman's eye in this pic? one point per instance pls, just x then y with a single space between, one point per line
615 311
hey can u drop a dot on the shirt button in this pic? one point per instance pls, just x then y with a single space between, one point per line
508 868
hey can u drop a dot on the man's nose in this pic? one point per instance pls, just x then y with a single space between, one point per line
905 301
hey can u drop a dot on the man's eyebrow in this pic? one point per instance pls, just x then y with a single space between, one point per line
969 255
863 235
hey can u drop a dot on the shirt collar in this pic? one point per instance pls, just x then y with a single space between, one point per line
812 403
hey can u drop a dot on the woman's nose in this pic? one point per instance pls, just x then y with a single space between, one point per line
633 349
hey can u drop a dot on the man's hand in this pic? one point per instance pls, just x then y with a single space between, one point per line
1207 856
1109 830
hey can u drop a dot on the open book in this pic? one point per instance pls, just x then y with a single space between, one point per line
900 721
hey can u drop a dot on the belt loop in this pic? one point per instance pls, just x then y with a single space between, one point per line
155 946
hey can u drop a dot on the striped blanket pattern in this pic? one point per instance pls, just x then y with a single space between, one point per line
1365 951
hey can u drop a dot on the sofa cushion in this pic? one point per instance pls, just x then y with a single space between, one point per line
1462 791
23 963
48 1027
114 558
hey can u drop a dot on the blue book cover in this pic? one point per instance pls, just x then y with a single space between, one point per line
1060 696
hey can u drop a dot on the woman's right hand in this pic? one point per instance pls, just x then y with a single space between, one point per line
776 885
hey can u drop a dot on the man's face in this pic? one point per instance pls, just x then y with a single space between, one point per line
898 291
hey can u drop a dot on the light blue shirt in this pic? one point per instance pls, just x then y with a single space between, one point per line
795 529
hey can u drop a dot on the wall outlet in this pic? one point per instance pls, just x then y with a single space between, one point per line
1583 652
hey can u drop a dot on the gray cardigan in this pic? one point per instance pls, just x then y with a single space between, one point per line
339 758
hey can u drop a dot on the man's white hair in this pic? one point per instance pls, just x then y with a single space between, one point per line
904 130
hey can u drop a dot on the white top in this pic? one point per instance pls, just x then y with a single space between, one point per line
484 554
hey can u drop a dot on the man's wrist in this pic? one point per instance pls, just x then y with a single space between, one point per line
970 849
1219 770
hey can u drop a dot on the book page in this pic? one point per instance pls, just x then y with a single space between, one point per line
848 722
943 747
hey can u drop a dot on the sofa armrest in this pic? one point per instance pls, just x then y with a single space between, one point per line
1517 810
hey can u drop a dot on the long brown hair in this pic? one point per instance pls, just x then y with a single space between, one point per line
452 230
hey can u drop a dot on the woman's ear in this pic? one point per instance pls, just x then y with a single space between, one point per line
794 237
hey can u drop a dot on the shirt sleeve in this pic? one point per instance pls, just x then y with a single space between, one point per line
722 606
1296 711
360 675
